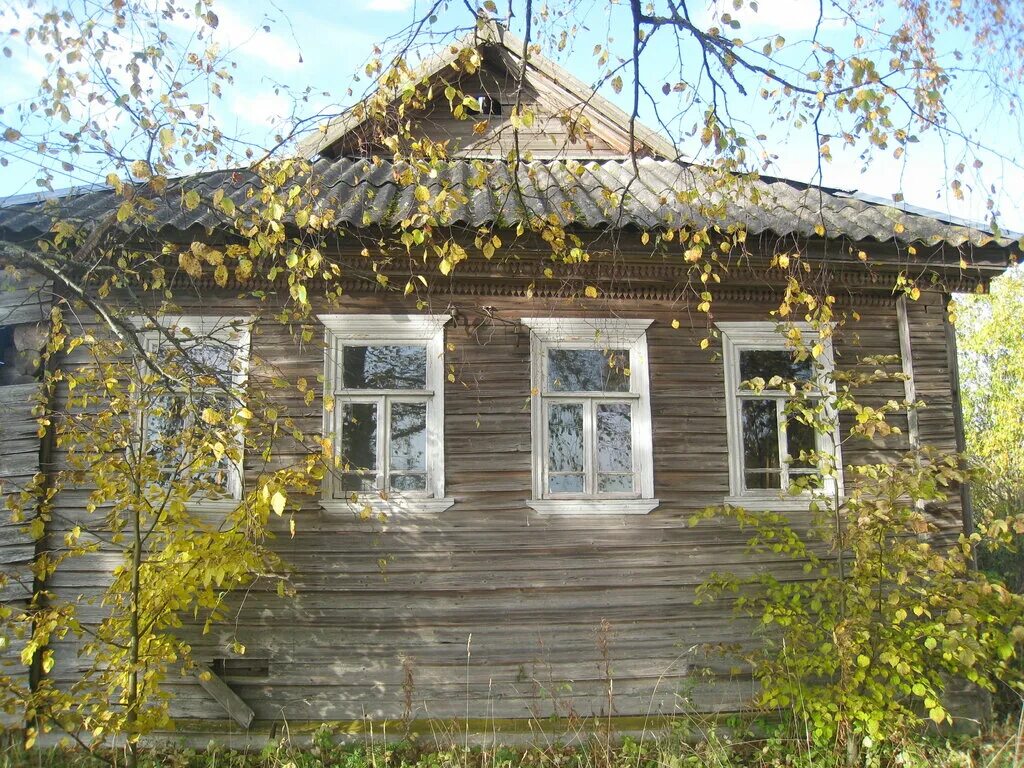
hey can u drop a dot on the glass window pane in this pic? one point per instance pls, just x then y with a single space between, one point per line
208 357
614 438
358 481
615 483
408 436
172 417
565 483
760 435
165 420
799 437
588 370
416 482
358 423
565 438
384 367
765 363
762 480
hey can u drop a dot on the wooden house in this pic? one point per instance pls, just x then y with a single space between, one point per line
534 557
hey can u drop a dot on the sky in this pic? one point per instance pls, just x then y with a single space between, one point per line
321 44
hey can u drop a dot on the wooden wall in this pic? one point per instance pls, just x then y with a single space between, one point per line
547 137
489 608
23 306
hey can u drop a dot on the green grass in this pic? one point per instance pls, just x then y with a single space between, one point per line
998 748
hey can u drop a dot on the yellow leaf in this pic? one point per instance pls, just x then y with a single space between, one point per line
291 527
277 502
166 138
590 292
675 323
191 200
704 343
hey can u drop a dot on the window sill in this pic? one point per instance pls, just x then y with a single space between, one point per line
593 506
390 506
774 503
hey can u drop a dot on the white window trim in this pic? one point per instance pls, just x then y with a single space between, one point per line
215 326
739 336
595 333
391 329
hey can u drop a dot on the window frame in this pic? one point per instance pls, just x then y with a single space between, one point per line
601 334
741 336
380 330
214 326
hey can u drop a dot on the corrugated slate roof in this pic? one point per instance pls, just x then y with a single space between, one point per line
599 194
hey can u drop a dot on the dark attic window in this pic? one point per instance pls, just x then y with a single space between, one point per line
488 105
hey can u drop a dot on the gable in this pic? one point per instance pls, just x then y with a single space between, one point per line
570 119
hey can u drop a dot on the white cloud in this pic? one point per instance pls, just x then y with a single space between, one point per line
389 6
262 108
249 38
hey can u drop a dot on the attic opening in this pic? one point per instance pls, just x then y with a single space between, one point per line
488 105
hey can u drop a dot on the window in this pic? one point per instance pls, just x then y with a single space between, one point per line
384 396
769 446
212 355
591 414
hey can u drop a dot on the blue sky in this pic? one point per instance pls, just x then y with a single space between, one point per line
321 44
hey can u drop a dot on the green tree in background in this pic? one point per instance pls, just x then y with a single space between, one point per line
990 331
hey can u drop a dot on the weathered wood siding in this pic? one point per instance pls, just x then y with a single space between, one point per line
23 307
489 607
491 135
